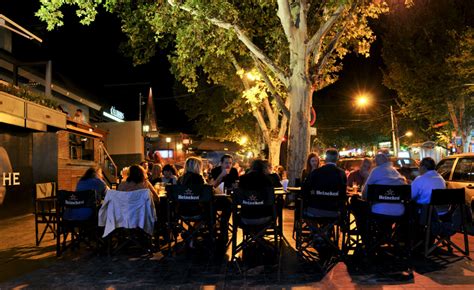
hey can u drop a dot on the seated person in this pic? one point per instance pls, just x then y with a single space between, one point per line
137 179
169 174
228 175
145 165
257 179
224 173
326 177
124 174
384 174
359 176
192 172
421 189
428 180
156 172
273 176
91 180
192 177
312 163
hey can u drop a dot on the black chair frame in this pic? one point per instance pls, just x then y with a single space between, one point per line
200 199
247 201
81 231
313 232
377 224
455 199
45 213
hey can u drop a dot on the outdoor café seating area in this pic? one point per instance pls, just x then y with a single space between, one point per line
186 222
152 265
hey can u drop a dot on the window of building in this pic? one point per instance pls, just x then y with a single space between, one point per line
81 147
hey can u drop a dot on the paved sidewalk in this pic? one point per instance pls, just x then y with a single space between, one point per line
22 264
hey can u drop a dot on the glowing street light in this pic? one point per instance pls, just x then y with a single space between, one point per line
407 134
362 100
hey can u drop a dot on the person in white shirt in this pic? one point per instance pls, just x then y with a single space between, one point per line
428 180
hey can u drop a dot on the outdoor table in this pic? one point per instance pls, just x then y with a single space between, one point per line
353 237
280 193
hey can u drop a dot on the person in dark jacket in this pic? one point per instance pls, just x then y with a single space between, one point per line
192 172
258 179
328 178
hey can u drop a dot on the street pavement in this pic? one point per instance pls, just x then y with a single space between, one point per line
23 265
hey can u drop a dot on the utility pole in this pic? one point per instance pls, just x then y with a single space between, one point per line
394 133
139 95
140 108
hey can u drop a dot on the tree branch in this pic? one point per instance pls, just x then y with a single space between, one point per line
254 49
283 123
331 47
452 114
272 117
272 90
303 16
319 35
284 13
256 113
263 126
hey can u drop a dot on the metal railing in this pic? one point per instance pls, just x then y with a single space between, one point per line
109 168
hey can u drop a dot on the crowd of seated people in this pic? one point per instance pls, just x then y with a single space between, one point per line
225 178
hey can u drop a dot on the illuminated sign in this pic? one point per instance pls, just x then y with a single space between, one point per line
115 115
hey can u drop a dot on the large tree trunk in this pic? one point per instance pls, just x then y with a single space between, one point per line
300 93
274 147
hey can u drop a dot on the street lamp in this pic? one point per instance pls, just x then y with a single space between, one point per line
362 101
407 134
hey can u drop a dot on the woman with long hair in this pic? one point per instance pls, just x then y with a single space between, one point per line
137 179
93 180
192 172
312 163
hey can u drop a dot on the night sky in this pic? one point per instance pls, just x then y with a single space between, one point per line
87 60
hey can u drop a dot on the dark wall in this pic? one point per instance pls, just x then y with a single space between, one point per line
125 160
45 157
17 151
35 156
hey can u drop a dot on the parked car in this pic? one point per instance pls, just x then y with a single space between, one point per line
349 164
458 171
406 166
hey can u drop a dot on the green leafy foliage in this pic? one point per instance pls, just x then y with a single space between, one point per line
295 41
215 114
430 58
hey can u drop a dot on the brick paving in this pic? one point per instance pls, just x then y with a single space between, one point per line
22 264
